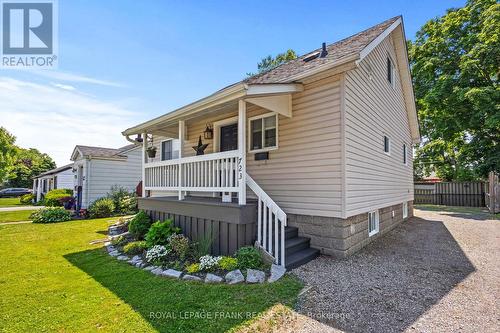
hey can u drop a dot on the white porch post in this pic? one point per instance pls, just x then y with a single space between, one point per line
144 146
39 190
182 130
242 160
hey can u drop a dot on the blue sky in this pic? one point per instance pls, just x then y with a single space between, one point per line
122 62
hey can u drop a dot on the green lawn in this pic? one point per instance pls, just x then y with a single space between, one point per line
10 202
53 280
15 215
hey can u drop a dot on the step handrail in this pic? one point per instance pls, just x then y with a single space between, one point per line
265 223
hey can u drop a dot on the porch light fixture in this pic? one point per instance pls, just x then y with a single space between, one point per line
209 132
139 138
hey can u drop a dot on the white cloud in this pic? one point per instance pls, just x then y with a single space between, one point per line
64 86
71 77
54 120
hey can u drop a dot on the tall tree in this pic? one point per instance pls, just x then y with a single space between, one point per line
270 62
7 154
455 62
28 164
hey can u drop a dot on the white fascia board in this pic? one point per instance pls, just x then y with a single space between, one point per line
374 43
278 88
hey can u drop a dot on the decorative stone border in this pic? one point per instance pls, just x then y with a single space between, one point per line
233 277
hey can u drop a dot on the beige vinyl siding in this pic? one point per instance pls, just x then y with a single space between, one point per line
303 175
103 174
373 108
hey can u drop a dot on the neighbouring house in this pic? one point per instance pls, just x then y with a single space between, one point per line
97 169
58 178
313 156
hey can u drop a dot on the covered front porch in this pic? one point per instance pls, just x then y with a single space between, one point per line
216 167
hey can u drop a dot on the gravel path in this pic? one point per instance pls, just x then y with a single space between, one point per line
439 272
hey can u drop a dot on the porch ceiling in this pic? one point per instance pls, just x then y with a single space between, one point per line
223 101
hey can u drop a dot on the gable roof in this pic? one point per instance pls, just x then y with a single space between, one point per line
56 170
352 49
102 152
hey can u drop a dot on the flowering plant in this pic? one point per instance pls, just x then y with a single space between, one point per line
157 253
209 263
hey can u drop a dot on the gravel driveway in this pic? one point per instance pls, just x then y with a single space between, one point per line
439 272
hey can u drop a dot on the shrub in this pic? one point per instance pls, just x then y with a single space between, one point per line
119 241
135 247
209 263
67 202
125 201
27 199
179 245
248 257
202 247
159 233
50 215
103 207
157 253
52 197
139 225
193 268
228 263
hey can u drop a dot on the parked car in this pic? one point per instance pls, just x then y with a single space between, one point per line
14 192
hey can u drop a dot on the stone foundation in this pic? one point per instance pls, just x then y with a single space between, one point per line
342 237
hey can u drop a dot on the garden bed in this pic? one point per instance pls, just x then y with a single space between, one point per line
161 249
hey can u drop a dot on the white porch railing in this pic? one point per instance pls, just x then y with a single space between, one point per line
207 173
271 222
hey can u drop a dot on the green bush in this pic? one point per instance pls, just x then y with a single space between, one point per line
125 201
179 245
52 197
159 233
228 263
103 207
119 241
50 215
27 199
139 225
248 257
193 268
135 247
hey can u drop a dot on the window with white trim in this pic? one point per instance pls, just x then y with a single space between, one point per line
405 210
405 159
373 223
263 132
387 145
167 150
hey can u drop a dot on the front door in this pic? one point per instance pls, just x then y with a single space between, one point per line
229 137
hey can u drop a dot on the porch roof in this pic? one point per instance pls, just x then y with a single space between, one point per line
220 100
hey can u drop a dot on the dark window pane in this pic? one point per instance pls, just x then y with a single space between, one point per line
256 140
166 150
386 144
270 138
389 70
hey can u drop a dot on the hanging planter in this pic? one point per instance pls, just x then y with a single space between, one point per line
151 152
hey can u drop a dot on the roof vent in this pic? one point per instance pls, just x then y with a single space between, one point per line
311 56
324 52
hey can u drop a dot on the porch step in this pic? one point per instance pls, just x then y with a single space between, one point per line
291 232
301 257
296 244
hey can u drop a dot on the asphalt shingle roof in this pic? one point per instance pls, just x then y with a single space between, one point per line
342 49
102 151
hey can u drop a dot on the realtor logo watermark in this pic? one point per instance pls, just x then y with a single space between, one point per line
28 34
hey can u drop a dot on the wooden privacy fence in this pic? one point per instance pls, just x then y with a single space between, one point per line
492 195
468 194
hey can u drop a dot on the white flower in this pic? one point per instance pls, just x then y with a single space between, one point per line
208 262
156 253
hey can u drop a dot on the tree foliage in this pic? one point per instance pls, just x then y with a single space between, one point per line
7 154
270 62
18 166
455 61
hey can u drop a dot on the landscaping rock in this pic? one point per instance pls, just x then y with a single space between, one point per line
136 258
122 258
276 273
188 277
110 248
150 268
234 277
115 253
255 276
172 273
157 271
212 278
140 264
116 230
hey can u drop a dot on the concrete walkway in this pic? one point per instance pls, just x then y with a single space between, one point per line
14 208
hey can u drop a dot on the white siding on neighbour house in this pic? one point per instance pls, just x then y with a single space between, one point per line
373 108
64 179
103 174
